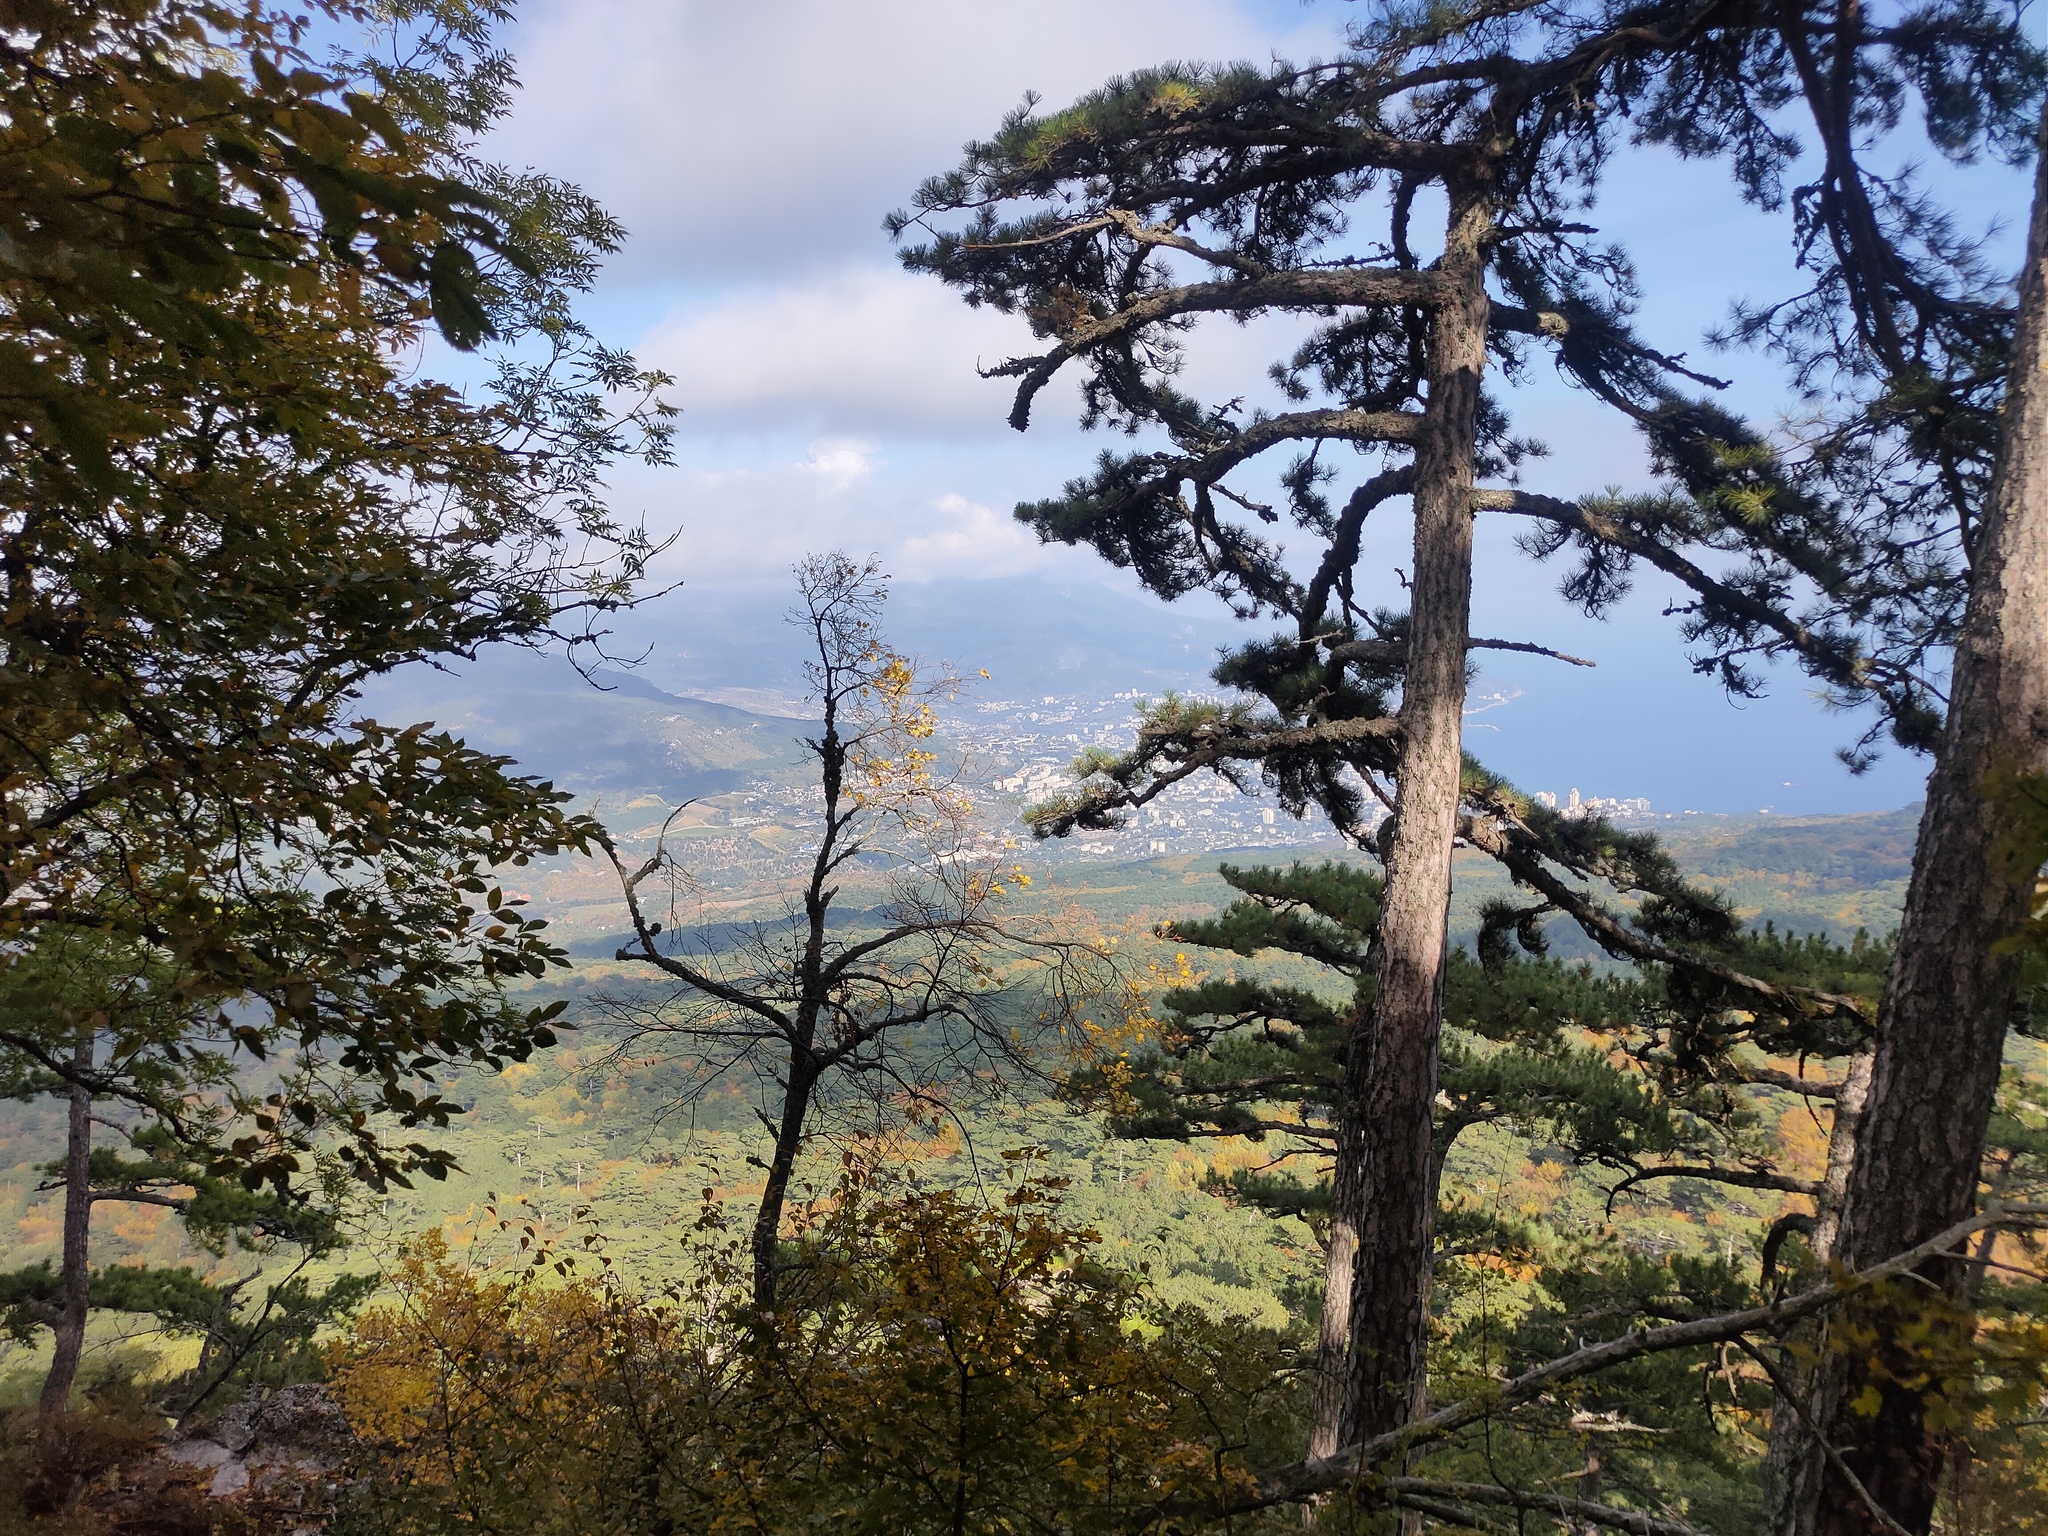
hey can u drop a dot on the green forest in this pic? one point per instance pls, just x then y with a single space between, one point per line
456 1078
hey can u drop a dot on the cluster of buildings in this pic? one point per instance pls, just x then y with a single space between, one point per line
1637 809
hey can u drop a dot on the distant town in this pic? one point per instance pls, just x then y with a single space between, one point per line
1007 754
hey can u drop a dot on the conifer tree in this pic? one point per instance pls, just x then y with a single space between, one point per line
1875 549
1234 1050
1950 1002
1181 192
1088 221
1247 1056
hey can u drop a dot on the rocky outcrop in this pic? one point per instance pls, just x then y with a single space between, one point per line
283 1449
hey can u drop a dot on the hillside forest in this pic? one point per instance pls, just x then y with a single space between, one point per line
452 1083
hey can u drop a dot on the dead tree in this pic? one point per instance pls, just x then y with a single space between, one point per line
913 993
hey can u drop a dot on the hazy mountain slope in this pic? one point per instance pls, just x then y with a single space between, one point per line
626 737
637 750
1837 873
1031 634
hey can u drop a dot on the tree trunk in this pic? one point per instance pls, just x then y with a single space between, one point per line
1347 1200
1842 1135
74 1282
767 1234
1327 1425
1589 1488
1794 1462
1948 1000
1394 1109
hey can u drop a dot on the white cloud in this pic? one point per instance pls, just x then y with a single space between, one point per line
736 139
859 352
870 350
972 541
744 525
839 462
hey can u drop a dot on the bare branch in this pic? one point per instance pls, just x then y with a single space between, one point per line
645 951
1631 1520
1340 425
142 1197
1389 651
1740 1178
1453 1514
1771 1077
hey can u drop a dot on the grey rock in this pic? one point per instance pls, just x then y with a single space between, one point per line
198 1453
232 1478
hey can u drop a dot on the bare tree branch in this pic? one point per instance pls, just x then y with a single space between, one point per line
1740 1178
1631 1520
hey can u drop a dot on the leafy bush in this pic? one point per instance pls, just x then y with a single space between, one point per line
935 1365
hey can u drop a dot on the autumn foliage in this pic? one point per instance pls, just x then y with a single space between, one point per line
937 1364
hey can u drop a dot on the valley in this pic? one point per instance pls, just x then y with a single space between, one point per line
581 1151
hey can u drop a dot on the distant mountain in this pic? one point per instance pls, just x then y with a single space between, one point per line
622 736
717 699
1828 874
1826 853
1033 635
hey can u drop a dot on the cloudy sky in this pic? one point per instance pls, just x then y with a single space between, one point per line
829 400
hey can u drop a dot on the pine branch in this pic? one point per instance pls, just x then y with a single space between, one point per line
1614 936
1826 656
1203 747
1393 652
1137 231
1348 1466
1293 289
1556 325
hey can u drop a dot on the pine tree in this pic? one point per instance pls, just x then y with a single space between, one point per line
1182 192
1649 1075
1101 206
1950 1001
1876 548
154 1058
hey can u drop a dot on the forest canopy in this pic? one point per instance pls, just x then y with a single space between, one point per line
1491 1167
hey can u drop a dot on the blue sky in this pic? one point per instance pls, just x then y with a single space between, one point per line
830 400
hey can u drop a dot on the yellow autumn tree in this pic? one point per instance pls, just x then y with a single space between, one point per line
938 1365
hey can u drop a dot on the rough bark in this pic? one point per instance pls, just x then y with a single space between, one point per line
1948 1000
74 1281
1326 1427
1393 1107
1333 1341
1794 1462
